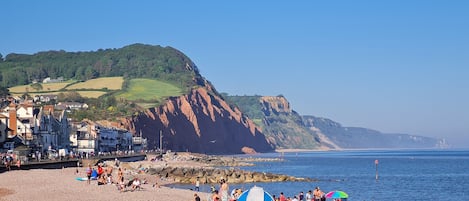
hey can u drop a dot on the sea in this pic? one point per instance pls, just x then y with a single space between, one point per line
366 175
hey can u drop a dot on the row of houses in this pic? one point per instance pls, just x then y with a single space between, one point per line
45 128
48 98
91 137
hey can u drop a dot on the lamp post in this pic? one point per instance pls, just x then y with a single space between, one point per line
161 141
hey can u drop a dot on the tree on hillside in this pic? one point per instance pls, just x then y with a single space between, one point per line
26 96
37 86
4 91
90 73
1 57
71 96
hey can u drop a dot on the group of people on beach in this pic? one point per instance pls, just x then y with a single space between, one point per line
9 159
103 175
222 194
311 195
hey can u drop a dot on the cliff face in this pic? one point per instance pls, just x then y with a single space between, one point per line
199 122
284 127
355 137
275 104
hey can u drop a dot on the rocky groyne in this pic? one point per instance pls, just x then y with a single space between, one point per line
214 175
209 169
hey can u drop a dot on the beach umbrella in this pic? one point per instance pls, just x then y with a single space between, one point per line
336 194
255 194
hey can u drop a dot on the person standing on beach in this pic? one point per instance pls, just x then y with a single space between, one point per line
282 197
309 195
317 194
224 190
120 175
197 185
88 173
301 196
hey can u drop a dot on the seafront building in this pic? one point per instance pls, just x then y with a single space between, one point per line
47 129
91 137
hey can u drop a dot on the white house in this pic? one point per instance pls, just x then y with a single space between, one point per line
52 132
85 141
72 105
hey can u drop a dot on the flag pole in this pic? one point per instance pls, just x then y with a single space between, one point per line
376 164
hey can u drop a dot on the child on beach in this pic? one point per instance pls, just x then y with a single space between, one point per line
88 173
196 197
156 185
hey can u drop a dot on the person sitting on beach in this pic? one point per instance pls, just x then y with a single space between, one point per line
101 180
121 185
233 194
156 185
294 198
100 170
196 197
109 174
215 195
136 184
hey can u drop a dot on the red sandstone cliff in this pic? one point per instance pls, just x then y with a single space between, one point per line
199 122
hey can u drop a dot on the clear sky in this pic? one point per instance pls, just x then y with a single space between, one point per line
393 66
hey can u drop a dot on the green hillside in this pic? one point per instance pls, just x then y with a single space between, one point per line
284 129
148 92
250 106
113 82
133 61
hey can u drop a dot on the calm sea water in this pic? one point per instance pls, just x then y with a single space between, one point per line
403 174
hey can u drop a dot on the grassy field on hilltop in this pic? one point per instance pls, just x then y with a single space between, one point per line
46 87
110 83
86 94
148 89
93 88
91 94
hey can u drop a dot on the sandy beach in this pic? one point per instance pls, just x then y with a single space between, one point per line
61 184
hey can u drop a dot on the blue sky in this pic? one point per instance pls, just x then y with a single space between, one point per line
393 66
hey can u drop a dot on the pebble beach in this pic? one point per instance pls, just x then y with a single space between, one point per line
61 184
42 184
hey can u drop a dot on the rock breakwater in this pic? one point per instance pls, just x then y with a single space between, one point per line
188 167
214 175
